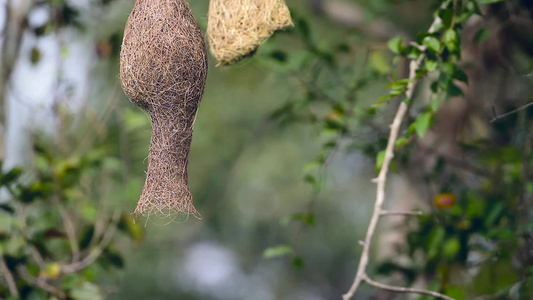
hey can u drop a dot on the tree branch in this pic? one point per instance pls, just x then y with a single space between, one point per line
382 177
400 213
523 198
40 282
4 270
70 231
496 118
459 163
97 251
399 289
380 198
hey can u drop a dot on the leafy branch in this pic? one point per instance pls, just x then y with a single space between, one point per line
415 69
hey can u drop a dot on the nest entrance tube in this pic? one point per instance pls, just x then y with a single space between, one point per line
166 190
163 68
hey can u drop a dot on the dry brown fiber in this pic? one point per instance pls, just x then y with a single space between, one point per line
163 69
235 28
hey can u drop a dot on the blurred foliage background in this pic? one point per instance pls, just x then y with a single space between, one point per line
285 145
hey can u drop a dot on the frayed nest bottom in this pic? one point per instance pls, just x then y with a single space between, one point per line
166 192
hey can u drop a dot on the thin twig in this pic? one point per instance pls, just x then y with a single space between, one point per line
40 282
69 228
401 213
381 181
496 118
382 177
36 256
523 198
464 164
97 251
4 270
380 198
399 289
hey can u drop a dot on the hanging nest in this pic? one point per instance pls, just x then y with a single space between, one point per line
236 28
163 68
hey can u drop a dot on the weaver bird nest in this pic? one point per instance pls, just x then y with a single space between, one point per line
163 68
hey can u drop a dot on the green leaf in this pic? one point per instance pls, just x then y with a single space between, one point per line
431 65
14 246
397 87
488 1
380 159
401 141
433 44
7 208
298 262
460 75
11 176
435 103
51 271
447 17
35 55
451 248
277 251
308 219
386 97
128 225
451 40
311 166
114 258
456 292
422 123
454 90
395 44
310 179
435 241
69 281
36 190
89 212
379 63
494 214
279 56
481 35
449 35
86 236
86 291
444 80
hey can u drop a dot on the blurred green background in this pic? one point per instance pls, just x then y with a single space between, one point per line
283 153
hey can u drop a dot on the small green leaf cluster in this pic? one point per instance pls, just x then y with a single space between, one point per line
482 235
56 236
439 54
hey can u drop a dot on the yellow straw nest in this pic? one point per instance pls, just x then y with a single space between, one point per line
235 28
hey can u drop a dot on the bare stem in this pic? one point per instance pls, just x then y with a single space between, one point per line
97 251
40 282
381 182
382 177
523 198
400 213
398 289
380 198
496 118
4 270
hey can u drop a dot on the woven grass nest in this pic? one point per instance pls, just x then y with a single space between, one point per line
235 28
163 68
